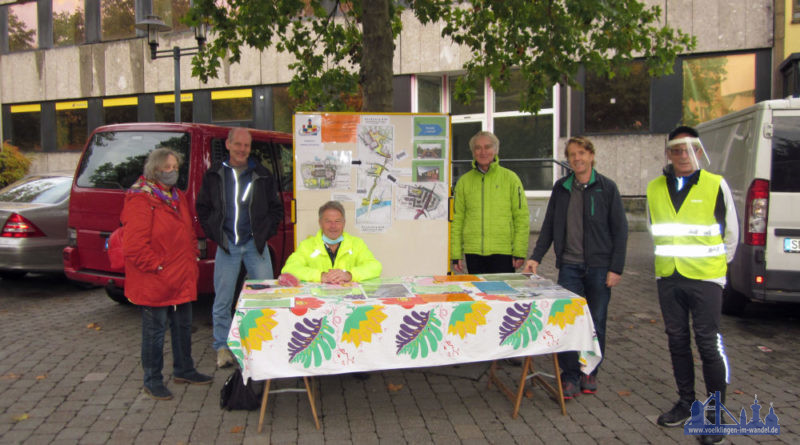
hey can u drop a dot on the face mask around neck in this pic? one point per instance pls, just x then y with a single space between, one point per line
332 241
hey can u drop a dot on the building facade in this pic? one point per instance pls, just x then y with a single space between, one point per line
68 66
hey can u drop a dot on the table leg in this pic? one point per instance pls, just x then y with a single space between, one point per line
521 388
491 374
263 405
557 370
311 400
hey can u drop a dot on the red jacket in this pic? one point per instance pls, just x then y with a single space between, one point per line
156 235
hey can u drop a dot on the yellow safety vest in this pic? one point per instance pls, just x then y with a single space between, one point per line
689 240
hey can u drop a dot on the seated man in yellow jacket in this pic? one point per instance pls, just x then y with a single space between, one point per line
331 256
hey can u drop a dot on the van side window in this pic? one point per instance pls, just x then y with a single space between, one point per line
785 154
284 152
115 159
262 152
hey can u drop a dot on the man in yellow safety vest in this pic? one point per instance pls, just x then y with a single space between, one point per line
695 232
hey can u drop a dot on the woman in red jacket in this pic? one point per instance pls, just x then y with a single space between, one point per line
161 269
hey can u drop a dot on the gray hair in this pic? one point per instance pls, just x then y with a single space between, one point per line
331 205
233 131
156 159
488 134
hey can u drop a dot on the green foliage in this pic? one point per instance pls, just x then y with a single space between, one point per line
547 40
19 36
13 164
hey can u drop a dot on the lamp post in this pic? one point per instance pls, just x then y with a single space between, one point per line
153 25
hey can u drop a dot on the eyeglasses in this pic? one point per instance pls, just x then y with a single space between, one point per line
679 151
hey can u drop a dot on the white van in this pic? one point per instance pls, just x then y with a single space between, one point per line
757 150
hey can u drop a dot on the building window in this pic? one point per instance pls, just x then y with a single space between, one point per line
716 86
232 105
526 141
458 108
71 125
171 11
620 104
795 11
23 30
26 124
165 107
69 26
429 94
120 110
117 19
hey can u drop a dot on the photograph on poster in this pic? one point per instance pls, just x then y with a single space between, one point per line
429 149
427 171
420 201
321 170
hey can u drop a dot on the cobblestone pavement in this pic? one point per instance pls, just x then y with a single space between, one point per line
70 373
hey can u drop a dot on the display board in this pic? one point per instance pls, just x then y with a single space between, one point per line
391 172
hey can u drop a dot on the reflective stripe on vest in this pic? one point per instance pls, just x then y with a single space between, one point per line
689 240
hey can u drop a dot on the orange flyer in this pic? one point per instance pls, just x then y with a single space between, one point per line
339 128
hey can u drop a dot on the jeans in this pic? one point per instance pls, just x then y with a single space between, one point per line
680 297
226 271
590 283
154 326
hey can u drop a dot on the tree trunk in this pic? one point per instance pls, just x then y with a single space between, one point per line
377 56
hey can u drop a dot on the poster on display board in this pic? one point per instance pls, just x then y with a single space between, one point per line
391 172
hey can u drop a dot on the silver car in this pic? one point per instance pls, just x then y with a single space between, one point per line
33 217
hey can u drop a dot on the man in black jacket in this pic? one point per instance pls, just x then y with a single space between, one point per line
586 222
239 209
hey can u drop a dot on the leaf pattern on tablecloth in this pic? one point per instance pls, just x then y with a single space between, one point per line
521 325
256 328
419 333
466 318
312 340
362 323
565 311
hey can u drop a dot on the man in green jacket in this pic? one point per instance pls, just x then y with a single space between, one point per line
490 225
331 256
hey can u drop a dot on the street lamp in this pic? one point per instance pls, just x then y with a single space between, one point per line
153 25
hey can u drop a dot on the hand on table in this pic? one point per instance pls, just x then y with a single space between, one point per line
531 266
336 276
287 279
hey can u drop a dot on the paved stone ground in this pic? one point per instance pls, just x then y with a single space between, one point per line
70 373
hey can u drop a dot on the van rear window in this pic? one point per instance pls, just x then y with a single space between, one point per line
115 159
785 154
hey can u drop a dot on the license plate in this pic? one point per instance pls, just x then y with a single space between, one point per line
791 245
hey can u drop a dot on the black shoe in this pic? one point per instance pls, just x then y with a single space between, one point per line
676 416
158 392
570 389
195 378
588 384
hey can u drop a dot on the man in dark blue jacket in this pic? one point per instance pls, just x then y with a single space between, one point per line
239 209
586 223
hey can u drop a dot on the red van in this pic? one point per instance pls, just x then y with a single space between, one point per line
114 158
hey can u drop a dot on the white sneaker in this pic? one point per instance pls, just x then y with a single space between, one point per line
224 358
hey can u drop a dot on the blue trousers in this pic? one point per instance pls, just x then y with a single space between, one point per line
154 327
226 271
590 283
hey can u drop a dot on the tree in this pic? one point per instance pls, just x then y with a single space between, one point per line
19 36
546 40
118 19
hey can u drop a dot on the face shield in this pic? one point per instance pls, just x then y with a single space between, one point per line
686 155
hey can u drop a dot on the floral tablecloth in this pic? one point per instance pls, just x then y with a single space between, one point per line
405 322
